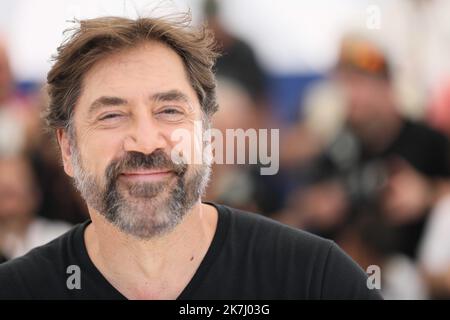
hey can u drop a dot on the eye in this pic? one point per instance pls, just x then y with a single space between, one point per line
170 114
110 116
171 111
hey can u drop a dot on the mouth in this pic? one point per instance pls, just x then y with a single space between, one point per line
147 175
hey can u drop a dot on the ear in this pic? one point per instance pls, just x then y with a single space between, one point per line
66 152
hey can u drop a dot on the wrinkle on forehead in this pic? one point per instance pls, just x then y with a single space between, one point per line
151 62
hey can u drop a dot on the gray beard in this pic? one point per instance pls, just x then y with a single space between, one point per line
143 210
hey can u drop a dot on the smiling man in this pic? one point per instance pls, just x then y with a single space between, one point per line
118 91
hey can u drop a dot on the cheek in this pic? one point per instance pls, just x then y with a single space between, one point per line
97 151
187 140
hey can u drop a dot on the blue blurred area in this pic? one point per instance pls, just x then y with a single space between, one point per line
286 93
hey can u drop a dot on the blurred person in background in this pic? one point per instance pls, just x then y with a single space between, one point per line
241 88
238 61
16 104
20 228
22 130
434 253
381 171
438 112
434 250
413 159
25 185
233 184
6 82
380 157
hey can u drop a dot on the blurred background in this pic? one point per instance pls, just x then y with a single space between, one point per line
360 91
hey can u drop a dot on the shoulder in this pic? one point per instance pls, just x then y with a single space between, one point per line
26 276
278 245
294 255
270 233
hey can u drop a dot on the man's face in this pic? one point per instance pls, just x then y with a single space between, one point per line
130 105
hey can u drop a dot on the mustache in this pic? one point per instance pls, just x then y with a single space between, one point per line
133 160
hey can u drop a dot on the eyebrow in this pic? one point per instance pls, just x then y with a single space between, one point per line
171 95
106 101
110 101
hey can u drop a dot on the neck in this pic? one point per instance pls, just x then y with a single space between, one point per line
131 264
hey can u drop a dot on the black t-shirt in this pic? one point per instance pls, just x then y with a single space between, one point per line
250 257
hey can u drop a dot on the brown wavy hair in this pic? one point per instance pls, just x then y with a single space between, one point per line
94 39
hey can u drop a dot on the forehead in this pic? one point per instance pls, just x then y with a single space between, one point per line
147 69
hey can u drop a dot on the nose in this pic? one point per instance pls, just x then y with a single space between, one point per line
145 137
